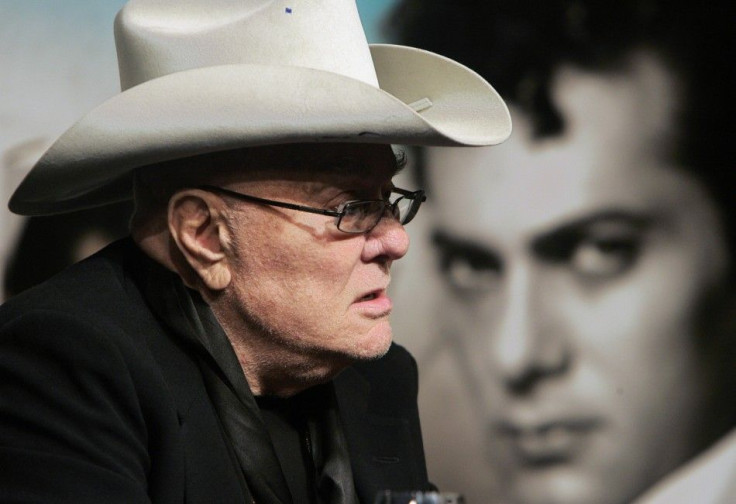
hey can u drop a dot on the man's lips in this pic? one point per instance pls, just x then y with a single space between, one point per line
547 442
380 290
376 302
369 297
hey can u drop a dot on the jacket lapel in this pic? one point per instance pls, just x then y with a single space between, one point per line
211 470
382 451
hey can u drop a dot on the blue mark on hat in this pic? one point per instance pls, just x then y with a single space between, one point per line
288 10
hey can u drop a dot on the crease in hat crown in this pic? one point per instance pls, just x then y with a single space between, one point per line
160 37
200 76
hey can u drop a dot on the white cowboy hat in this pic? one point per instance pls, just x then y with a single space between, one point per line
208 75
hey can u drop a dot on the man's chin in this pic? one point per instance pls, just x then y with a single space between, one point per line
377 342
562 486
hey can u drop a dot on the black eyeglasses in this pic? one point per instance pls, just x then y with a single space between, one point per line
359 216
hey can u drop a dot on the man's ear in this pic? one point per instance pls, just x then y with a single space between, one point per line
197 225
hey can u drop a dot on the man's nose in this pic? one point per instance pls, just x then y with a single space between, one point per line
387 240
528 344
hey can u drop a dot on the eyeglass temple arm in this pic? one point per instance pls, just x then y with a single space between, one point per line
282 204
418 195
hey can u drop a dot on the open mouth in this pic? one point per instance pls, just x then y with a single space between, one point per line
375 304
369 297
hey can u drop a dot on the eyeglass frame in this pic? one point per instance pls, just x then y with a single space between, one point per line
339 213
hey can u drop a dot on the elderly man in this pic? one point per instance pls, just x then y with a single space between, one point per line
237 348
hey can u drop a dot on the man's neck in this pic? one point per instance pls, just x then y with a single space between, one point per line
265 360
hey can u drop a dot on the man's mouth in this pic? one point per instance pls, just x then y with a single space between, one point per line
369 297
549 442
375 303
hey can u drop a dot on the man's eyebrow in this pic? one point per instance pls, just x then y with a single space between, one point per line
557 241
445 238
634 217
467 247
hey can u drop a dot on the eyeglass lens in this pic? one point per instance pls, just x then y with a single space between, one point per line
362 216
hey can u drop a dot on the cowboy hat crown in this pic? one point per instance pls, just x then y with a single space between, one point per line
156 38
200 76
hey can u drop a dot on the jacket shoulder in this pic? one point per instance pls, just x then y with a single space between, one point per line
101 284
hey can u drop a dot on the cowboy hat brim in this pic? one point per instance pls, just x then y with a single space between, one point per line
424 99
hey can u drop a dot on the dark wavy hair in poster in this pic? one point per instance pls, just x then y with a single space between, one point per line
518 44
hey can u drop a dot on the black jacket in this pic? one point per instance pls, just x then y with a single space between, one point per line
99 402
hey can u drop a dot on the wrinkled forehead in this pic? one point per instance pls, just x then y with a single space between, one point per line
322 163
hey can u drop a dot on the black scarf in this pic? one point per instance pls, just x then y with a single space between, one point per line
186 313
